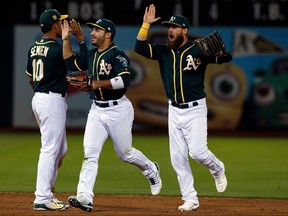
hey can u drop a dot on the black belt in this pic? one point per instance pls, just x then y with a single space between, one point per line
62 94
184 106
103 105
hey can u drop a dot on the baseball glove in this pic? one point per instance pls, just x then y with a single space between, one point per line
212 45
80 80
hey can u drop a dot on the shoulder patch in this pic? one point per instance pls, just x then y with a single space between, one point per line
122 60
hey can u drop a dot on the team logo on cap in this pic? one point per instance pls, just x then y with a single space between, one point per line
172 19
54 17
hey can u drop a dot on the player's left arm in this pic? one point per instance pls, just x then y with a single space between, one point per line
218 59
223 58
213 47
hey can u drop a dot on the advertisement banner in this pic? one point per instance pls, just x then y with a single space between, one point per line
249 92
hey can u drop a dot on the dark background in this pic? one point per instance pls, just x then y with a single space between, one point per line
130 12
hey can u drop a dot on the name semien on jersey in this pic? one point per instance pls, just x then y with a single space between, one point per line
39 51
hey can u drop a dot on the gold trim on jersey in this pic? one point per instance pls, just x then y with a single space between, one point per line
75 63
42 43
180 74
29 74
174 75
181 70
150 50
124 72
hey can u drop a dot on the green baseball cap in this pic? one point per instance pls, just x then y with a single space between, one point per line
50 16
104 24
177 20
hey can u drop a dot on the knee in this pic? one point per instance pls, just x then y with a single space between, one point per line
177 160
198 155
127 156
91 153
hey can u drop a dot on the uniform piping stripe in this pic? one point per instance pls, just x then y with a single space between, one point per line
181 71
28 73
180 74
42 43
174 75
75 63
150 49
124 72
93 67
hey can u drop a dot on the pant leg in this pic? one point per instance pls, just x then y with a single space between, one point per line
188 136
195 134
94 138
50 111
119 125
179 156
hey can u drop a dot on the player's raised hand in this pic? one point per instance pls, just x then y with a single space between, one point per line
65 30
76 30
149 15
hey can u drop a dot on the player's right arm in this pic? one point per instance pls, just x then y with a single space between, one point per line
67 49
148 19
141 46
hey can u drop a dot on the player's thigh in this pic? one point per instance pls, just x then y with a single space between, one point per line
95 134
121 129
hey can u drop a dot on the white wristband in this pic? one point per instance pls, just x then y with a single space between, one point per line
117 82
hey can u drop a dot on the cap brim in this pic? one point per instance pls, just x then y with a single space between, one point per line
62 17
168 24
93 25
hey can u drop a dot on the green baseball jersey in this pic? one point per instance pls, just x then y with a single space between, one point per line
182 70
47 67
104 65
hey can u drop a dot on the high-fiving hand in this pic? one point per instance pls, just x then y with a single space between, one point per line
149 16
65 30
76 30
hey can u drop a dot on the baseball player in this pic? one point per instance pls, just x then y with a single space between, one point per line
47 76
111 113
182 68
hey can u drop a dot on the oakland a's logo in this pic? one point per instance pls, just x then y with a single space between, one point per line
172 19
192 63
104 68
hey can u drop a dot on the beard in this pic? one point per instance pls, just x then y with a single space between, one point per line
99 41
176 43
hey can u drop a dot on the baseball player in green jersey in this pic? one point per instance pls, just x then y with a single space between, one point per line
182 68
47 75
111 113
